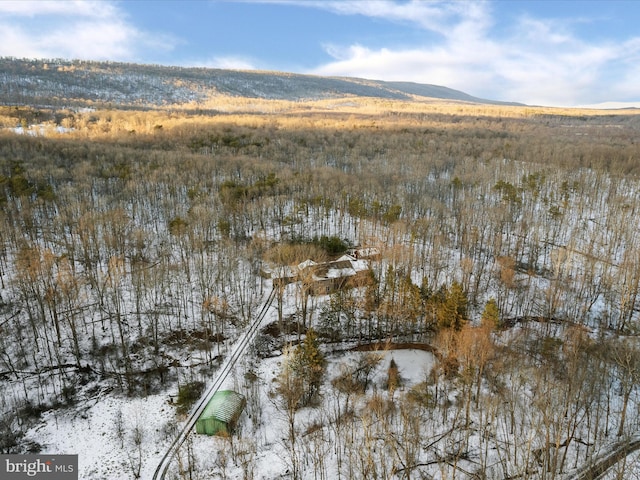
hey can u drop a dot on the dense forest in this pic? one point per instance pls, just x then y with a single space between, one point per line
132 252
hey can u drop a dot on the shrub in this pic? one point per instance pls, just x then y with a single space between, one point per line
188 394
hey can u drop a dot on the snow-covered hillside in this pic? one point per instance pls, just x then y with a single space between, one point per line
50 82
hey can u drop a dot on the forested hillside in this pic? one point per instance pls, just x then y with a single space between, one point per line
72 83
132 252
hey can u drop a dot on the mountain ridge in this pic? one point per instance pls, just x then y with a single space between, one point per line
79 82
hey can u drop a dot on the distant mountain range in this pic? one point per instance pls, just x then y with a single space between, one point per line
58 82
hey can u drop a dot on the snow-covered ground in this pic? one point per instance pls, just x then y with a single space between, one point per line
119 437
41 130
112 435
267 440
125 437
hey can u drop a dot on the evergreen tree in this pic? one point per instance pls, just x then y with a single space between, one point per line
491 314
307 365
425 289
411 306
453 311
393 377
372 293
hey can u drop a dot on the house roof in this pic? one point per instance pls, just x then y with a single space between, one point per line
335 269
345 266
306 264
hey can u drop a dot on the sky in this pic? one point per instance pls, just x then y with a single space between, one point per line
555 53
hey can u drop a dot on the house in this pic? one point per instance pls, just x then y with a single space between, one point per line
345 272
327 277
221 413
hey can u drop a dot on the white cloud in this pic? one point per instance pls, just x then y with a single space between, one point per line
434 15
96 30
31 8
538 61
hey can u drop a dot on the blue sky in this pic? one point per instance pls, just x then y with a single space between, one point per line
559 53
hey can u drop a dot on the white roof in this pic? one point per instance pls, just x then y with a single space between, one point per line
307 263
351 268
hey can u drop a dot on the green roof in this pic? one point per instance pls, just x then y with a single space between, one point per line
225 405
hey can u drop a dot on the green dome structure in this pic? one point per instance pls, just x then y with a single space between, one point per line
221 414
